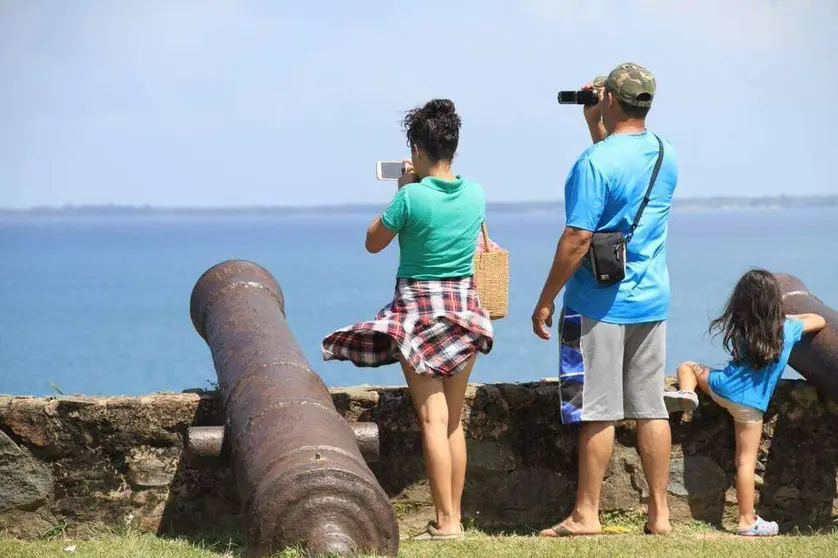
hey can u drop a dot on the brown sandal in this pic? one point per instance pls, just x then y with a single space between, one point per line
560 530
432 534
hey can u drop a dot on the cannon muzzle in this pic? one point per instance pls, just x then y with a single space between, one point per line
816 357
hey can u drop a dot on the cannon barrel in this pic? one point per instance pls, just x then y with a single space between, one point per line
816 358
299 473
209 442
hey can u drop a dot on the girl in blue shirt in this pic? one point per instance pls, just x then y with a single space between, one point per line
759 337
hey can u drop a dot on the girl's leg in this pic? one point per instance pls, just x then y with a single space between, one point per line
692 374
455 391
748 435
428 398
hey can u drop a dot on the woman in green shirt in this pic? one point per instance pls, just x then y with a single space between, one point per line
435 326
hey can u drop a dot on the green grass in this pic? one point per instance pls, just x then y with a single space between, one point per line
689 540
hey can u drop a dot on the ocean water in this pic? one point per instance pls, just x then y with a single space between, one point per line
100 305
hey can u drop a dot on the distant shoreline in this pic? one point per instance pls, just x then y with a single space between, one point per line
684 204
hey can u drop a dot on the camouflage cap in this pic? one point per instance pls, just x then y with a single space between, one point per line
632 84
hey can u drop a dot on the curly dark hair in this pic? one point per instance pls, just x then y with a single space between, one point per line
434 128
752 320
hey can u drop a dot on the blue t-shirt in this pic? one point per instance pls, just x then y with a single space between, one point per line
752 387
603 193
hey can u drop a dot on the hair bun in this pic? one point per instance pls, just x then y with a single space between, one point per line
440 107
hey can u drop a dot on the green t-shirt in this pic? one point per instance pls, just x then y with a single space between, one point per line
437 222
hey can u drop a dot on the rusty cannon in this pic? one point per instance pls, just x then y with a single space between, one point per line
816 358
299 472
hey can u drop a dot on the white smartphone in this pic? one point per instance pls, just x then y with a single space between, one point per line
389 170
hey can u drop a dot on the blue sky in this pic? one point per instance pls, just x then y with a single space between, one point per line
208 103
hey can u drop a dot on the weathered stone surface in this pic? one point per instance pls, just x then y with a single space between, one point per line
625 486
151 467
25 483
699 486
28 524
118 461
696 476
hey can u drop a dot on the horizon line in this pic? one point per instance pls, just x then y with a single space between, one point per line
350 205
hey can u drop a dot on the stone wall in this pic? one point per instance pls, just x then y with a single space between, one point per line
77 463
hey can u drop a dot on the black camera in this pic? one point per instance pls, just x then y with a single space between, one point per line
584 97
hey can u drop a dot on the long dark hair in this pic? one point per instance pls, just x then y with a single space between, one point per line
434 128
752 321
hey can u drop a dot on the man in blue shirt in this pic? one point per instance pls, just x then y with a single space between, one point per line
613 337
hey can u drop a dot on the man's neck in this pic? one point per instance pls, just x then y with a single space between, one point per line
629 126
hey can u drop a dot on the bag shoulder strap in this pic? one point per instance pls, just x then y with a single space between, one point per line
645 201
485 232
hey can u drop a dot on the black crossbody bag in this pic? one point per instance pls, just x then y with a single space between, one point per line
607 253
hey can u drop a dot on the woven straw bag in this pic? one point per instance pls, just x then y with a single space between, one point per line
491 275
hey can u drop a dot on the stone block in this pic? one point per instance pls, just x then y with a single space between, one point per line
25 483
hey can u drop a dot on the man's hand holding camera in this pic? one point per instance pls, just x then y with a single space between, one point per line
593 113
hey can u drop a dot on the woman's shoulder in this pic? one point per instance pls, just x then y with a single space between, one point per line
476 196
472 186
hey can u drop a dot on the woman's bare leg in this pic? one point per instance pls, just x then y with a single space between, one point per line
455 391
428 398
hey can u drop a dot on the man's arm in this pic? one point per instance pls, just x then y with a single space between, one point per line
585 193
597 129
572 247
